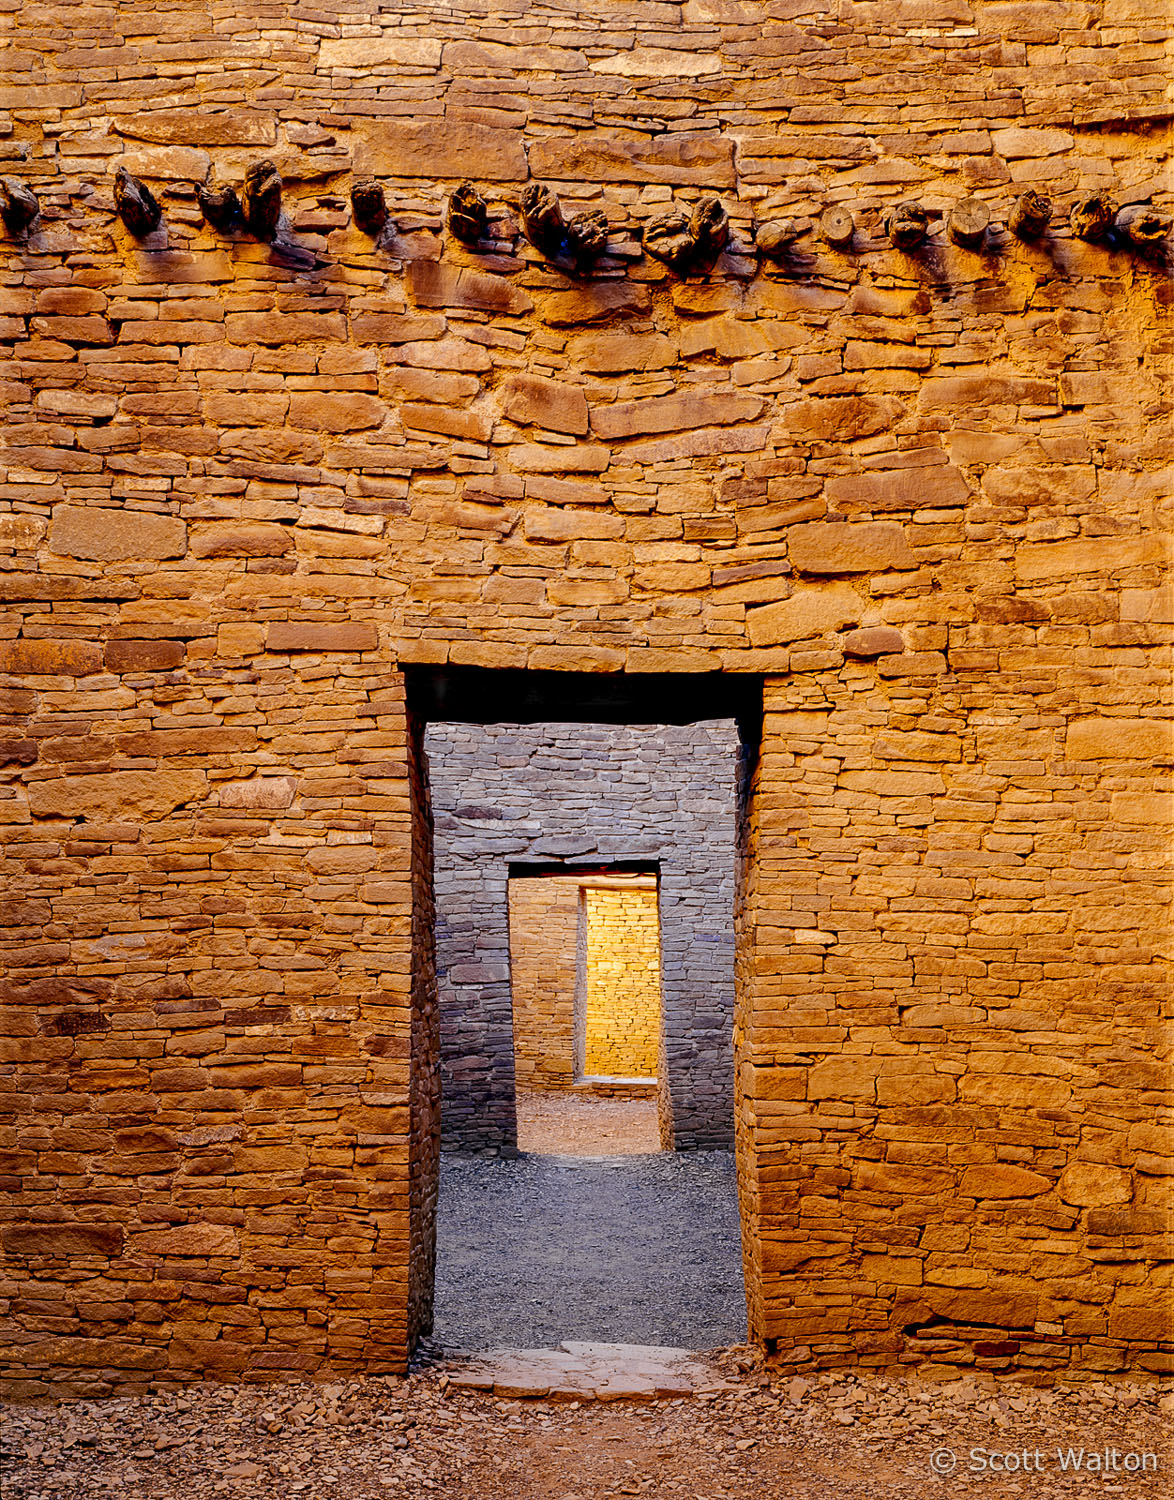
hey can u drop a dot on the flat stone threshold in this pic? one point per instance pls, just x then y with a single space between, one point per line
572 1159
583 1371
593 1080
603 1087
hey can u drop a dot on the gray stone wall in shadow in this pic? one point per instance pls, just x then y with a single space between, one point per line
583 794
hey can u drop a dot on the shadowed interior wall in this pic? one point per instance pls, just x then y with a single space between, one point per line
544 914
424 1123
597 794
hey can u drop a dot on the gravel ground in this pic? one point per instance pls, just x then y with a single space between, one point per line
566 1125
770 1438
623 1249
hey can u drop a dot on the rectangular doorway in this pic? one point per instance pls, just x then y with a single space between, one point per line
537 1248
584 962
618 1030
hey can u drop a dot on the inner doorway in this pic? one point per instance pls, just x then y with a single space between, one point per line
541 1246
587 1014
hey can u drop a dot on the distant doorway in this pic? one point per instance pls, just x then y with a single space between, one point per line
588 1028
618 1028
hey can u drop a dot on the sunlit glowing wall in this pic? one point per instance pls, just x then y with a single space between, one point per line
622 983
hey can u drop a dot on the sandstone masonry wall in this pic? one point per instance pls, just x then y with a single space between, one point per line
969 1176
622 1021
544 976
594 794
925 494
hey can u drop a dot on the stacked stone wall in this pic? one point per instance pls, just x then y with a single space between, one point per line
544 977
975 1153
924 493
208 1161
622 1020
423 1126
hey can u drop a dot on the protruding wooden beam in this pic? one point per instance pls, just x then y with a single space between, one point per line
967 222
135 204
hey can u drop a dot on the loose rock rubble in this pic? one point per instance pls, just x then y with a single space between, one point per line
753 1433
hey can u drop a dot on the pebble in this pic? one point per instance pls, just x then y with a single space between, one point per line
755 1431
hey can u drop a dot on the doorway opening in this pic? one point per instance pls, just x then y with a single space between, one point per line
589 1064
583 835
618 1029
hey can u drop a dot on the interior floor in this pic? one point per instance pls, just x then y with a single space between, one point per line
641 1249
562 1123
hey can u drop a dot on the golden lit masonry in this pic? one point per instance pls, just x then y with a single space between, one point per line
623 983
788 379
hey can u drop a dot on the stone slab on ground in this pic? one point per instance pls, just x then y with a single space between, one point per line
586 1371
